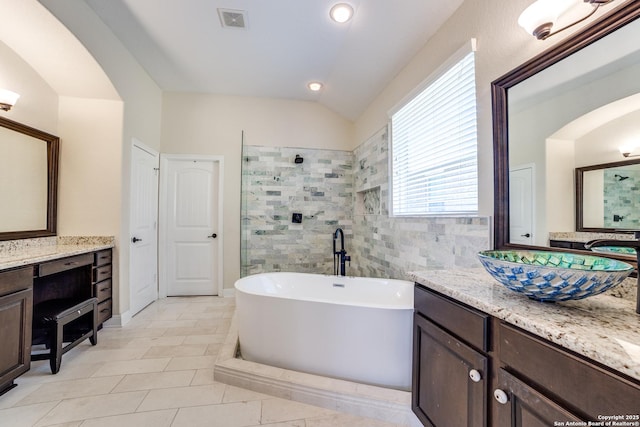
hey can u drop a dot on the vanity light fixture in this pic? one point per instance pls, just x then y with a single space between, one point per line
626 151
341 12
7 99
539 17
315 86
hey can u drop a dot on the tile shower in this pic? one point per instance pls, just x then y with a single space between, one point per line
349 190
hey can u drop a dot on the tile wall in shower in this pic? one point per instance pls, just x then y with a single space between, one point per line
274 187
348 190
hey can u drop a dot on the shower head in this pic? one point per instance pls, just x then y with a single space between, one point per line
298 159
620 177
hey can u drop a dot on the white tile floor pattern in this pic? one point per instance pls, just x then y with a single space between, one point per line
156 371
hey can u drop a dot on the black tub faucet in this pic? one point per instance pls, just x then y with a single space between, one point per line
625 244
339 256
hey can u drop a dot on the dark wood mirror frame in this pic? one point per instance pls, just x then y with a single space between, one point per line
499 94
579 180
53 146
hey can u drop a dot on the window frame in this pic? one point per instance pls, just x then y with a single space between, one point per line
453 60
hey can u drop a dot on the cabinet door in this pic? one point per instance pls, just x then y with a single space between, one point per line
519 405
15 330
444 393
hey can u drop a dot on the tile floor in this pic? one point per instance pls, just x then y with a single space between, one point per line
156 371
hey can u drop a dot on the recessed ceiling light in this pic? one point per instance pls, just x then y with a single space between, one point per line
341 12
315 86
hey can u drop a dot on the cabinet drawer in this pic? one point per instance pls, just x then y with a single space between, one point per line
104 311
64 264
568 378
15 280
467 324
102 273
102 257
103 290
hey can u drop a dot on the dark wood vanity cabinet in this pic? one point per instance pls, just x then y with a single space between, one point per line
521 380
450 364
16 293
78 276
102 284
565 384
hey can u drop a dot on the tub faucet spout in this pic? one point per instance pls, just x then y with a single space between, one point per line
626 244
339 256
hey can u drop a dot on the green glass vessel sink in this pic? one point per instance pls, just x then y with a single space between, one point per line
554 276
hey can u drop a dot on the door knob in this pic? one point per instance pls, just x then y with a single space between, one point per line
475 375
500 396
525 235
135 239
213 236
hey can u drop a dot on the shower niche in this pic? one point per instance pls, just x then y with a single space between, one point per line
368 201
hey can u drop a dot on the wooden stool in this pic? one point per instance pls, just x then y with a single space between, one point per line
63 320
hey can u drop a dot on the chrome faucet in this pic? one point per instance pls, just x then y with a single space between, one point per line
625 244
339 257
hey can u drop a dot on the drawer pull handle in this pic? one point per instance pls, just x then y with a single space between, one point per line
104 310
71 263
500 396
475 376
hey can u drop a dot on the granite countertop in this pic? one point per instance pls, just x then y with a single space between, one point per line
604 328
48 250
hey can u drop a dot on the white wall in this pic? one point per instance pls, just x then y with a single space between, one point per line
502 46
140 119
90 158
38 103
213 125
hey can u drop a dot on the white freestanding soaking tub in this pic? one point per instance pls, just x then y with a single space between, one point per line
353 328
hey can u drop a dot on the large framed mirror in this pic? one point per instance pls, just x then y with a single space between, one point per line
28 181
545 115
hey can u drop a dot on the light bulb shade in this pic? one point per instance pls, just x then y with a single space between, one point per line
341 12
626 150
7 99
315 86
543 13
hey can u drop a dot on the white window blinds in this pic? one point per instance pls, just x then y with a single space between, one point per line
434 146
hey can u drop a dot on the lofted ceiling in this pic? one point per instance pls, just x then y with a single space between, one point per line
286 44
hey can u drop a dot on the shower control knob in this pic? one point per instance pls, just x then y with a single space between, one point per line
500 396
475 376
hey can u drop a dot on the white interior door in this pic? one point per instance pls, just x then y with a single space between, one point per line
521 206
192 225
143 253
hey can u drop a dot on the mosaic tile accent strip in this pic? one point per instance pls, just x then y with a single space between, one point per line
273 188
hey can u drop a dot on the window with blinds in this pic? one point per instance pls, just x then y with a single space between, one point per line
434 146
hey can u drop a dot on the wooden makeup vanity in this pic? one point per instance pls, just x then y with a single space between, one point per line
59 271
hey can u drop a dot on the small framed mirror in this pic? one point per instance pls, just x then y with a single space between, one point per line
608 197
28 181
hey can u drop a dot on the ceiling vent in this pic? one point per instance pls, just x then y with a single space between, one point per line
230 18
